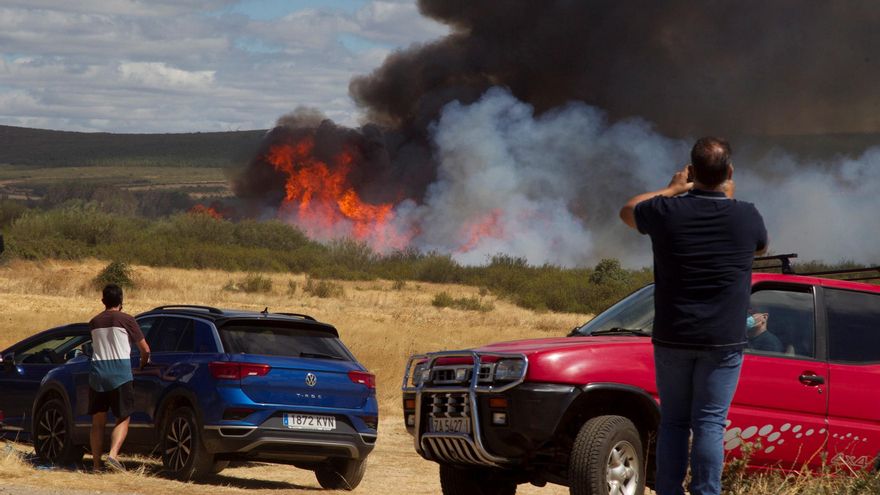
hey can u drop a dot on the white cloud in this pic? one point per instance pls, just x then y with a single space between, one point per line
146 8
158 75
191 65
398 23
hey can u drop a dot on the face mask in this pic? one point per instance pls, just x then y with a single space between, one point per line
751 322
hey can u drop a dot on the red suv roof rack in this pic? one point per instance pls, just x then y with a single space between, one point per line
785 267
784 263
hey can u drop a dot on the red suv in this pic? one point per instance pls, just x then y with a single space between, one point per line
582 410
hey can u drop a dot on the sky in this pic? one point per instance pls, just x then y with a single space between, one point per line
144 66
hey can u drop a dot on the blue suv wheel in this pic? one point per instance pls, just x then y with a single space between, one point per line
183 453
53 434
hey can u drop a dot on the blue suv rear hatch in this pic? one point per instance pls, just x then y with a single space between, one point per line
297 365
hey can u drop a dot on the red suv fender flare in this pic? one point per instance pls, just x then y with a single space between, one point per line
616 398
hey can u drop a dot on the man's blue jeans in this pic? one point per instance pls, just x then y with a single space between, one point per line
696 388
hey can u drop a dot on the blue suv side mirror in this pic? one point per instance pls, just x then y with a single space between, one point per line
7 361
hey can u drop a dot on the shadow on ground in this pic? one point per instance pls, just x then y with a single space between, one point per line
151 468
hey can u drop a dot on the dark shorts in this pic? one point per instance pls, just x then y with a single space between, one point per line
120 400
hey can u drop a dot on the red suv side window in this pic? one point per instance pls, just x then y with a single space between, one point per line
853 326
783 322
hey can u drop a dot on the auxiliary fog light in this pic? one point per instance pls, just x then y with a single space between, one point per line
410 420
499 418
461 374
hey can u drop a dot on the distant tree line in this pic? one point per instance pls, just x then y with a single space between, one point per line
80 229
46 148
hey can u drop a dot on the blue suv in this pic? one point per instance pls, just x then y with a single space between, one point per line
228 386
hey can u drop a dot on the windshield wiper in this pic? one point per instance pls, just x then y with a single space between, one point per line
619 330
320 356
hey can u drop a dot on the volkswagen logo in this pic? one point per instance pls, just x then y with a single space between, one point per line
311 379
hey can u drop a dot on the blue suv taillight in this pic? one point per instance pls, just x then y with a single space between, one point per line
226 370
362 377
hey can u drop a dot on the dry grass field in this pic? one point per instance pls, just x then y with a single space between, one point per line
381 322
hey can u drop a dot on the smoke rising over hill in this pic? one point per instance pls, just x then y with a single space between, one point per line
732 67
524 130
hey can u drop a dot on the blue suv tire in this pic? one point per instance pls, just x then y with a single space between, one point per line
53 440
342 474
184 456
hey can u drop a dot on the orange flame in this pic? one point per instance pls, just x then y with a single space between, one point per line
206 210
325 205
489 226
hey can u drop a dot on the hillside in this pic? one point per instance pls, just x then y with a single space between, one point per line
46 148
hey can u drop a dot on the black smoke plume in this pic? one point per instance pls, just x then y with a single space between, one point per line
726 67
677 69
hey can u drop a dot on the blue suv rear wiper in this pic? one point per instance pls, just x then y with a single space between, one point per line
618 330
319 355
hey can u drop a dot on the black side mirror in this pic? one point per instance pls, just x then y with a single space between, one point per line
7 361
87 349
574 332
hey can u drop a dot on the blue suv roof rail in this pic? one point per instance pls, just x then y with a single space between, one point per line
307 317
209 309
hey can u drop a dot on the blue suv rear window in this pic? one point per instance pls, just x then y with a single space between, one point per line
255 338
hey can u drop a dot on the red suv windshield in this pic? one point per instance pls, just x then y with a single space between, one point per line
634 312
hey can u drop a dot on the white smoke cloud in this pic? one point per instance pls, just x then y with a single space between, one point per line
531 185
822 211
548 188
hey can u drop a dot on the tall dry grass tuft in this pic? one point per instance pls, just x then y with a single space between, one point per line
12 463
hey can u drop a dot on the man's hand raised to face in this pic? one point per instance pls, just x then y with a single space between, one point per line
679 183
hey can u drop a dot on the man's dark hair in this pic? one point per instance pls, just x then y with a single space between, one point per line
112 295
710 157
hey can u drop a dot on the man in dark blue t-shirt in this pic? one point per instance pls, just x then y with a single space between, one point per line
704 242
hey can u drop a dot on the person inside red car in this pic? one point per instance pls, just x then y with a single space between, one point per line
760 339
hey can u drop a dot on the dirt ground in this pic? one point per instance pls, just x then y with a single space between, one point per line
394 469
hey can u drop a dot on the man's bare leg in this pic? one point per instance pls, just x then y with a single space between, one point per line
120 431
96 438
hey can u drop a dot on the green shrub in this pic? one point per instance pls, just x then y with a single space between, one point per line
10 211
253 282
608 270
323 288
273 234
473 303
117 272
438 268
